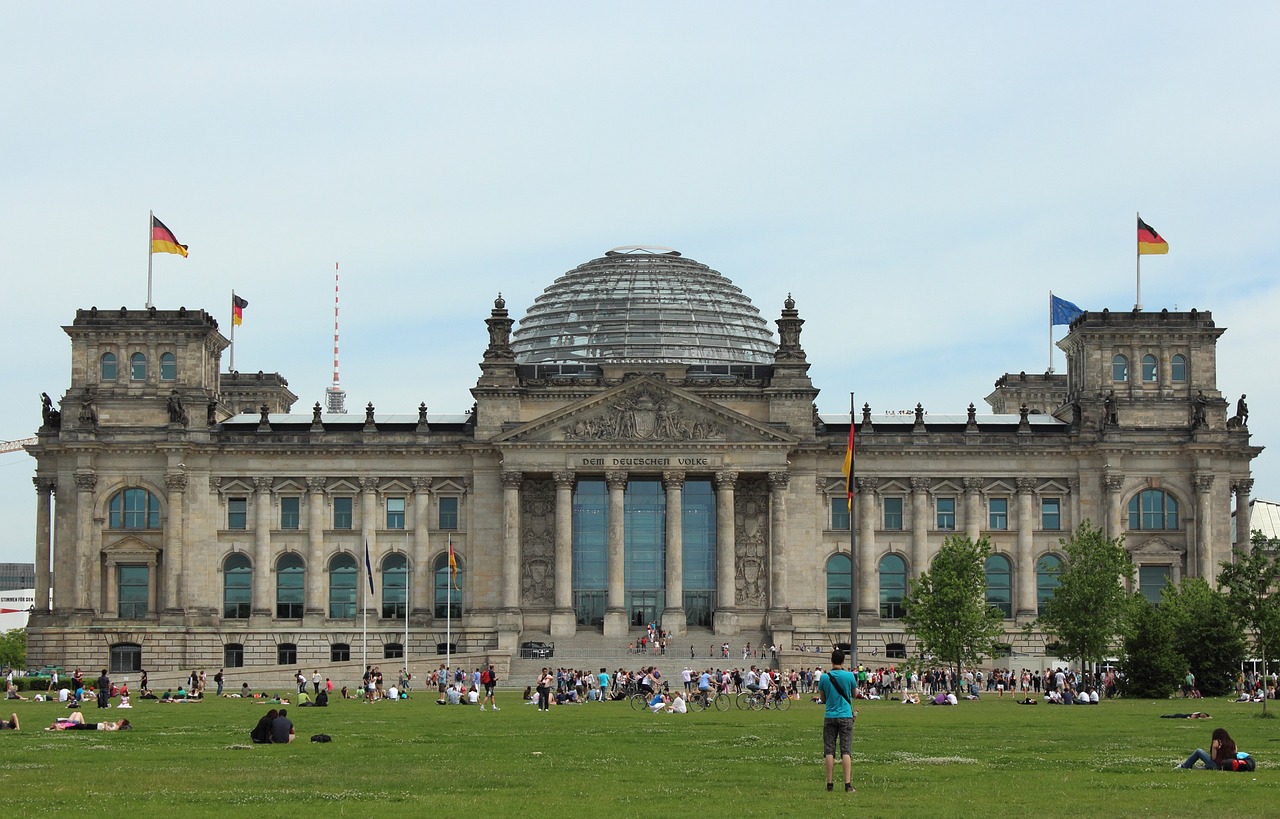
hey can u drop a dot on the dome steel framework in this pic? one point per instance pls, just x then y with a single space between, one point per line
640 303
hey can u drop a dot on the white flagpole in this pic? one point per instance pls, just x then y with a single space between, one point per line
233 330
1137 305
407 575
1051 331
151 218
364 608
448 608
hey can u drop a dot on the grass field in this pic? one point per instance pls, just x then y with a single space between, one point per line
416 758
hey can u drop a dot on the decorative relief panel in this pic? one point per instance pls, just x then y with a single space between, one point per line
537 541
751 526
644 415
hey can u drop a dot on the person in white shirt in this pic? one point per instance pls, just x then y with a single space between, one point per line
473 697
678 705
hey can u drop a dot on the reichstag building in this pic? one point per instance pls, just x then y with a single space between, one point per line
643 447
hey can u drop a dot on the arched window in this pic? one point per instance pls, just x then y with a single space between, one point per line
134 509
1119 368
291 578
1153 509
168 367
342 587
893 586
1149 369
110 368
137 367
839 587
448 588
1000 584
1048 571
237 586
395 586
1178 368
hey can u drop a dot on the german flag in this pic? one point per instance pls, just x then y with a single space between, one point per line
163 240
1150 243
847 469
237 309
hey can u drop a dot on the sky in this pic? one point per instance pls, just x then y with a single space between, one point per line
917 176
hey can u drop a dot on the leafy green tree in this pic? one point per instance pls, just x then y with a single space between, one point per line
13 648
1086 610
1250 582
947 609
1205 634
1152 665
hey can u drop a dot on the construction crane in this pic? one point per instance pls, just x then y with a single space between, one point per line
14 446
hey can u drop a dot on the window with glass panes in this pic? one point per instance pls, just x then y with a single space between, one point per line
946 513
1153 509
290 583
893 586
998 514
342 587
132 590
237 587
839 587
893 513
395 513
1048 572
1152 580
237 513
134 509
449 513
342 512
395 586
840 513
1051 514
1000 584
290 512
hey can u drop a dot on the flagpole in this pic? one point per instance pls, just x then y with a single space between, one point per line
233 330
1138 255
853 553
1051 331
448 611
364 608
407 574
151 218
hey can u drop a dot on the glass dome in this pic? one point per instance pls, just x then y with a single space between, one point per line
646 304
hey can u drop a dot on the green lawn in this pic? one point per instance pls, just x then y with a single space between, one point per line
418 758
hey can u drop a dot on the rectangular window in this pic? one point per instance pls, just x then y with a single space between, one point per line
237 513
342 513
946 513
1151 581
998 514
893 513
289 514
840 513
233 655
132 588
1051 514
448 513
286 654
395 513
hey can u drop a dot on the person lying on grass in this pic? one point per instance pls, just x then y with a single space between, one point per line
76 722
10 724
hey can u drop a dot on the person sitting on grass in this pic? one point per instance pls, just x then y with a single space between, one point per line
678 705
282 728
1222 748
658 702
261 733
322 699
76 722
10 724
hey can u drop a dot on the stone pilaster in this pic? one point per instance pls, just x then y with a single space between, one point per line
175 526
779 482
421 589
564 622
1242 489
1113 483
673 614
263 570
45 487
726 619
511 539
868 595
919 526
973 508
369 534
1025 601
86 551
615 614
314 602
1204 528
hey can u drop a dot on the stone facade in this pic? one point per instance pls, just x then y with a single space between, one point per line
175 528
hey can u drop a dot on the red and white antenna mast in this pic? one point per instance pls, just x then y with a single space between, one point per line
335 397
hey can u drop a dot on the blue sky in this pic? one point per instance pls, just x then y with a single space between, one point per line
917 176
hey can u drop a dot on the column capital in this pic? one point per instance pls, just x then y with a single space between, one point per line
176 481
1113 482
86 481
920 484
1203 483
1026 486
779 480
316 485
726 480
422 485
512 479
867 486
972 485
673 480
563 479
1242 486
262 484
44 485
616 480
369 484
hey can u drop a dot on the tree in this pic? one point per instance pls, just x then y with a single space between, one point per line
1205 634
1152 665
947 609
13 649
1086 610
1250 582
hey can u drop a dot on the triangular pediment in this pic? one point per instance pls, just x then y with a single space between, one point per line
645 410
130 547
1155 547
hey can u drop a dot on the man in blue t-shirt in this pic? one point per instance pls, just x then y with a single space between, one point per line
837 687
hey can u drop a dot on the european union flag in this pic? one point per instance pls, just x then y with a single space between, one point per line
1062 311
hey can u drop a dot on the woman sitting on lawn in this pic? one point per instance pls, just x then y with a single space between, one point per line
1221 749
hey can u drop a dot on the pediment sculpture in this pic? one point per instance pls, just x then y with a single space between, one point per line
644 416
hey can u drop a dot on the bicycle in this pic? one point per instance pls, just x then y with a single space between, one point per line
702 700
640 700
751 700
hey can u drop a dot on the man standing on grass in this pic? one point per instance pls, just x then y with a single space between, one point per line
837 724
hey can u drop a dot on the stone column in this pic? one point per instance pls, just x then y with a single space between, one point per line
369 533
919 526
421 589
1113 482
1025 584
1242 488
86 555
314 602
44 493
564 623
615 614
673 615
726 620
778 484
174 600
1204 528
511 540
868 591
263 571
973 508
